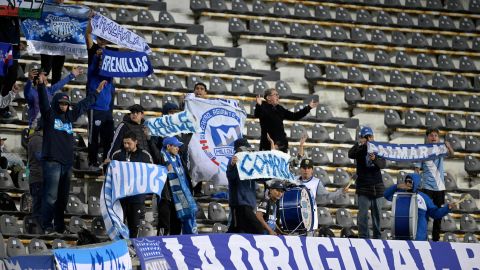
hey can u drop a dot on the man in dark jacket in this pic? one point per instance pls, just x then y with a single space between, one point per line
133 206
35 176
369 184
57 151
242 196
271 116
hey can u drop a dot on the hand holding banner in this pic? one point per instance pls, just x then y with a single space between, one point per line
117 34
125 64
264 164
408 152
172 124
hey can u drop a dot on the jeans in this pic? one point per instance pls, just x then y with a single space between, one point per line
36 192
100 125
56 187
375 206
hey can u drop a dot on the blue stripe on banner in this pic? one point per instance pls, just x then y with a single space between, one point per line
408 152
125 64
234 251
172 124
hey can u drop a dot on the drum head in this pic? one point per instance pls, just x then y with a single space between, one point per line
306 209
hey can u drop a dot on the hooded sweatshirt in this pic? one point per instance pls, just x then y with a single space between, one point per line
241 192
105 98
426 207
58 126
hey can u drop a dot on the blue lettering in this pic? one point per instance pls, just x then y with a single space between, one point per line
242 165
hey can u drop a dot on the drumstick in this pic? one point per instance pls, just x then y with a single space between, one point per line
349 184
466 197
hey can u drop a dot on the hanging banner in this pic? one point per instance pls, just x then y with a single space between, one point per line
117 34
218 123
125 64
32 262
60 31
150 254
408 152
21 8
6 58
112 256
264 164
171 124
242 251
126 179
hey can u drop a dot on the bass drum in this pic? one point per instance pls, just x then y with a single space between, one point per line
296 211
405 216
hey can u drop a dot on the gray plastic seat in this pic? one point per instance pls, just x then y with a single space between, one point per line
9 225
322 12
466 24
217 85
94 206
435 100
344 218
376 76
393 97
274 48
418 79
360 55
403 19
317 51
343 200
461 82
319 156
218 5
413 3
322 175
468 205
433 120
448 224
148 101
472 165
385 220
165 18
402 59
156 60
412 119
283 88
445 62
294 49
470 238
59 243
253 129
277 28
297 131
6 181
454 5
397 77
216 212
151 81
324 113
358 34
434 4
317 32
76 95
450 237
159 39
387 179
197 5
474 103
117 118
352 95
354 74
145 17
381 57
324 216
425 21
454 141
242 65
320 133
472 144
399 38
456 101
239 86
37 246
301 10
379 37
445 22
220 63
341 134
460 43
219 228
281 9
123 15
198 63
384 18
338 33
176 61
259 86
341 177
333 72
298 30
467 64
259 7
76 224
15 247
472 122
453 121
450 182
372 95
203 41
440 42
392 3
235 25
173 82
145 230
341 14
75 206
98 227
339 53
391 118
440 81
363 16
31 225
340 157
474 6
419 40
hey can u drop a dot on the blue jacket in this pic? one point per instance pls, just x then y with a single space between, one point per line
426 207
31 95
105 98
241 192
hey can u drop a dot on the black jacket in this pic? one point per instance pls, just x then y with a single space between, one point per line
369 178
240 192
271 121
58 126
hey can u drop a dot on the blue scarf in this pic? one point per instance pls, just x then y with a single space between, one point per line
125 64
182 197
408 152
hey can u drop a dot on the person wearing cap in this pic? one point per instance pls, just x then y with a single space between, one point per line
426 207
242 197
272 114
369 184
57 151
100 115
267 209
433 177
315 186
30 91
177 208
133 206
134 122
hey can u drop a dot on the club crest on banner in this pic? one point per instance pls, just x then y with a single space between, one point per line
62 28
218 140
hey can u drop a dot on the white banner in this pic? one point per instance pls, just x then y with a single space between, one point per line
115 33
408 152
264 164
171 124
218 123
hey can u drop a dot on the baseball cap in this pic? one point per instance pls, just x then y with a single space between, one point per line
277 184
306 163
169 107
64 99
365 131
136 108
241 142
172 141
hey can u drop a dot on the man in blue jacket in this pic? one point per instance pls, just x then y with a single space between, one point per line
426 207
100 115
57 151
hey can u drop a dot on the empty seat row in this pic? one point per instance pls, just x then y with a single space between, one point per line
412 119
392 77
412 98
401 59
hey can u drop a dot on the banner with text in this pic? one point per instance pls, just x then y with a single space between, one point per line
117 34
408 152
60 31
218 123
21 8
264 164
125 64
243 251
125 179
30 262
113 256
172 124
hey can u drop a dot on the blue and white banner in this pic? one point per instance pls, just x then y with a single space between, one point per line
241 251
112 256
218 123
408 152
264 164
6 58
117 34
150 254
126 179
60 31
172 124
32 262
125 64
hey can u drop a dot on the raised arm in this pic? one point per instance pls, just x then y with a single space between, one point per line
42 95
85 103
